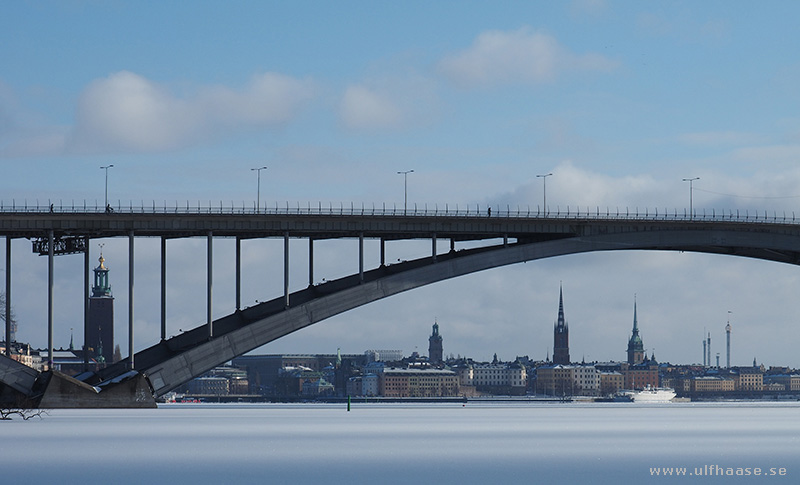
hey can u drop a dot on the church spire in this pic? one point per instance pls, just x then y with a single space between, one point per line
635 345
562 323
561 333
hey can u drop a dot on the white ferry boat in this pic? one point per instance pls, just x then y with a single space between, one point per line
652 394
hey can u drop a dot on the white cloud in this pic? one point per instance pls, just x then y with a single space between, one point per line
391 101
128 112
363 108
521 56
576 187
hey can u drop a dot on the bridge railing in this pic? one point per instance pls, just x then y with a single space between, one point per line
414 210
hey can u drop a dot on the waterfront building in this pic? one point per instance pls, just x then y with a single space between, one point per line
789 382
209 386
636 376
396 382
100 333
366 385
750 379
587 380
611 383
435 346
641 375
561 334
681 383
509 378
555 380
263 370
316 387
712 384
354 386
370 385
237 378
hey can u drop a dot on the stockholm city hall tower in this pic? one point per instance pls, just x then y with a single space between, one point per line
100 335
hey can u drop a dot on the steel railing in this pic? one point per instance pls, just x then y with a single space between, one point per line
416 210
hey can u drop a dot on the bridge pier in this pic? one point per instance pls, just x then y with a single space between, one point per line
238 273
286 269
130 300
86 304
310 261
383 252
8 296
163 288
361 257
209 283
433 247
50 254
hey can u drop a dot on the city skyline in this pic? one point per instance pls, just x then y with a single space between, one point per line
560 328
627 105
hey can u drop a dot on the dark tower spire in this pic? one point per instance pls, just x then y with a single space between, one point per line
635 345
561 333
435 352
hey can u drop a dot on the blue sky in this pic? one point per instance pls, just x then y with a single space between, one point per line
619 100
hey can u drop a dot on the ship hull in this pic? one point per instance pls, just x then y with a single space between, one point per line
660 394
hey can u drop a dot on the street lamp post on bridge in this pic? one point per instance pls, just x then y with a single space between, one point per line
106 169
691 191
544 189
258 193
405 189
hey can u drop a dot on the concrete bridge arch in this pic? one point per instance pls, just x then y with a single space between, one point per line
179 359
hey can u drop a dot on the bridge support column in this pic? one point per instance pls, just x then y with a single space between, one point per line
209 283
286 269
130 301
310 261
8 296
452 245
383 252
505 240
50 253
86 304
163 288
238 273
361 257
433 247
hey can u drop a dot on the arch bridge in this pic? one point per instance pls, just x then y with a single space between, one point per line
479 240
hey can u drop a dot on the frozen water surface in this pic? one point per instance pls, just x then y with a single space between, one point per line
405 443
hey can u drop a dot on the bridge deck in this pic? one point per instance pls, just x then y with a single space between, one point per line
525 237
370 223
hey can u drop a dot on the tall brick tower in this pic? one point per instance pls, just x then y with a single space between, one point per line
100 342
435 346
